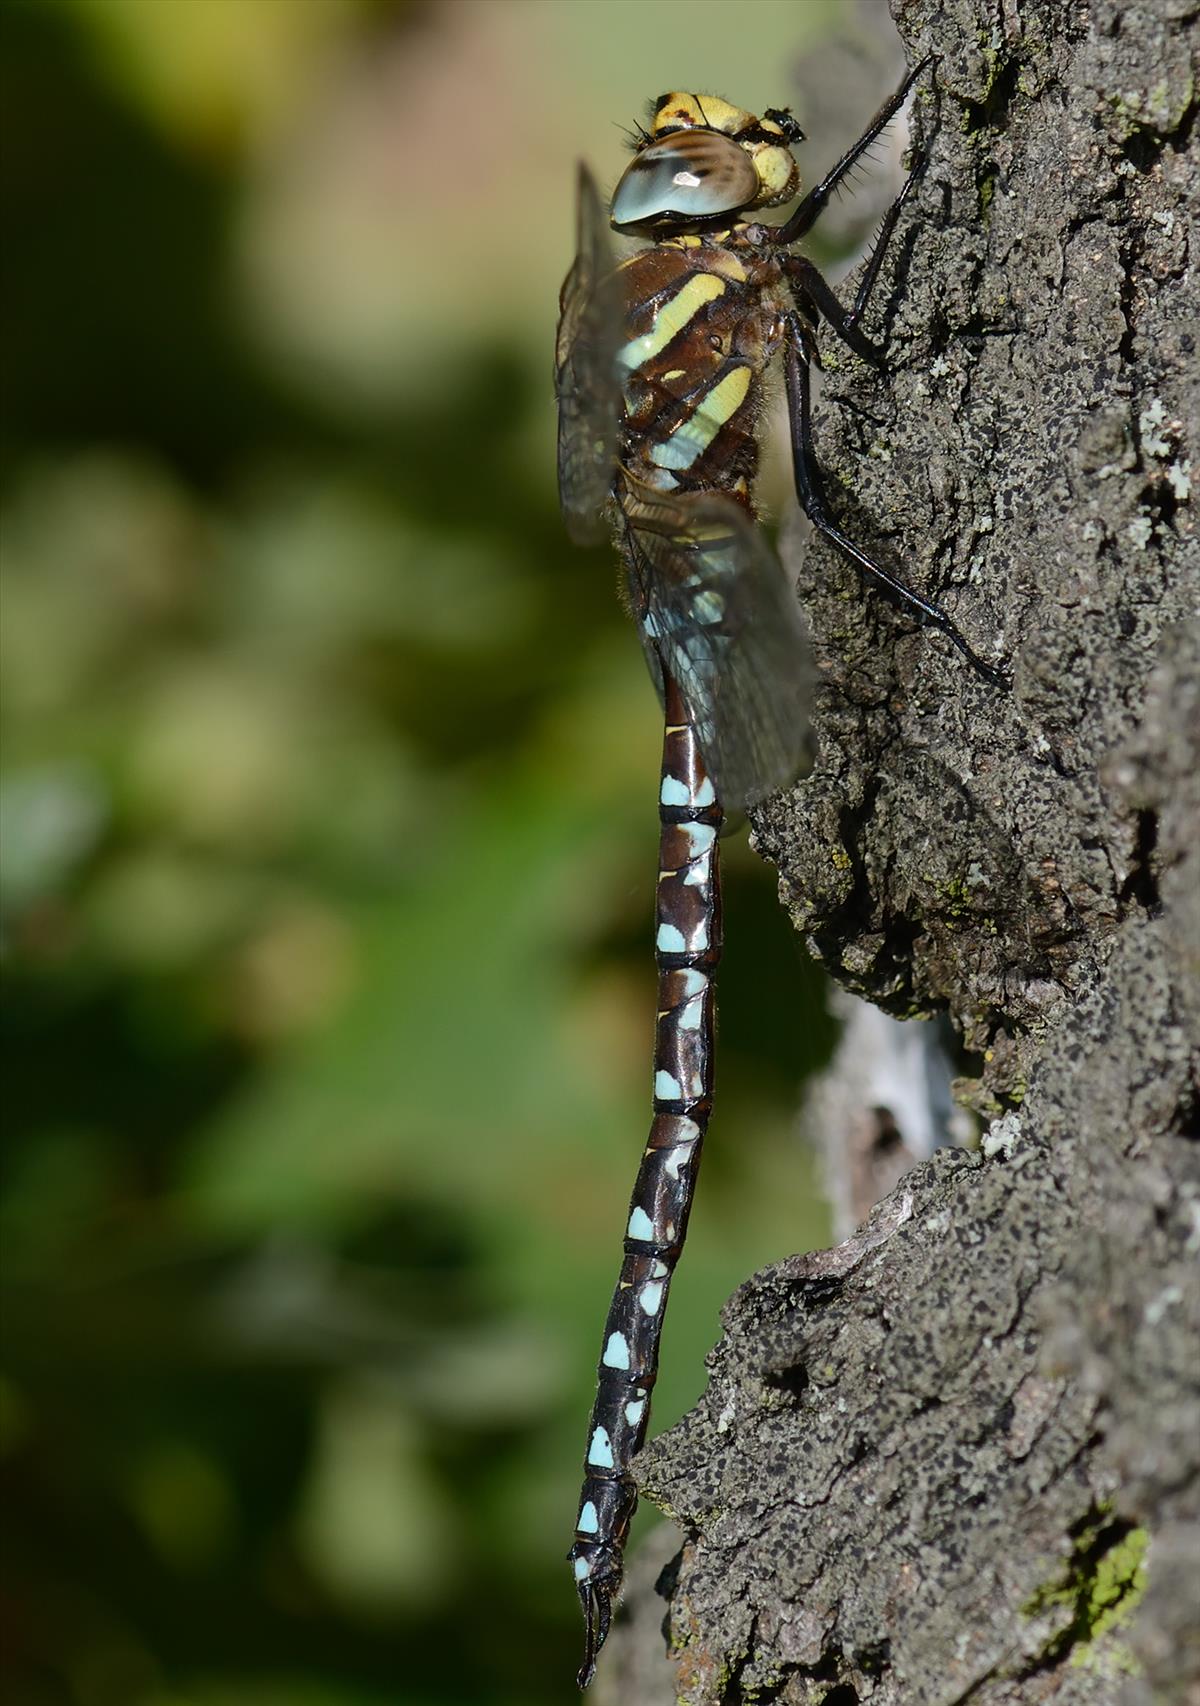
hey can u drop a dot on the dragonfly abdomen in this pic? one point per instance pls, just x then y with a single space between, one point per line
688 939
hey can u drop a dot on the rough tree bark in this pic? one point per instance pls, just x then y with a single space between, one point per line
959 1455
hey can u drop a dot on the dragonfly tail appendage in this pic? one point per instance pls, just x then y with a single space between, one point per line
596 1597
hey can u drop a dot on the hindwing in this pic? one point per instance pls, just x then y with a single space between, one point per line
586 375
716 611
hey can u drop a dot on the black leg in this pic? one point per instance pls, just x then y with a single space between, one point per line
880 249
806 276
807 214
812 500
806 280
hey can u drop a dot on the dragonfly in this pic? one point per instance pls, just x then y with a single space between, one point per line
661 362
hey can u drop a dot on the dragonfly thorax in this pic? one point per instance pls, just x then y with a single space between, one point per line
703 159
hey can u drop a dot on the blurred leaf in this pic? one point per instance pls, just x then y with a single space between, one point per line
216 73
185 1504
51 1189
320 567
50 820
285 1690
374 1527
458 1030
158 909
16 1418
100 558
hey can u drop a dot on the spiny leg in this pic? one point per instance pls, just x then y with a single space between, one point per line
687 949
811 494
807 279
882 239
817 199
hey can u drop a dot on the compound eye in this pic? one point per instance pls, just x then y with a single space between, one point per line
690 174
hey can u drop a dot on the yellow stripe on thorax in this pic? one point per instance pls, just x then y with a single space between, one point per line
692 437
672 317
725 262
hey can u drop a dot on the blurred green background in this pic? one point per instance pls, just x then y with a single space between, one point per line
328 851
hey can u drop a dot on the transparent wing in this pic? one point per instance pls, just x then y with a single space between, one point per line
715 606
586 376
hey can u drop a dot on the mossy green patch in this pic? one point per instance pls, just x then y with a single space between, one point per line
1101 1586
958 900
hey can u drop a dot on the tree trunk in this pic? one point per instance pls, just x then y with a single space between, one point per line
959 1454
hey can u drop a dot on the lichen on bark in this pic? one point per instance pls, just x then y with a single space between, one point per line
906 1442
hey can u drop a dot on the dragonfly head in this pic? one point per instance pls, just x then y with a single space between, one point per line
702 161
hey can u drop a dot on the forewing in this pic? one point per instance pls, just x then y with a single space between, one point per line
586 375
716 607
